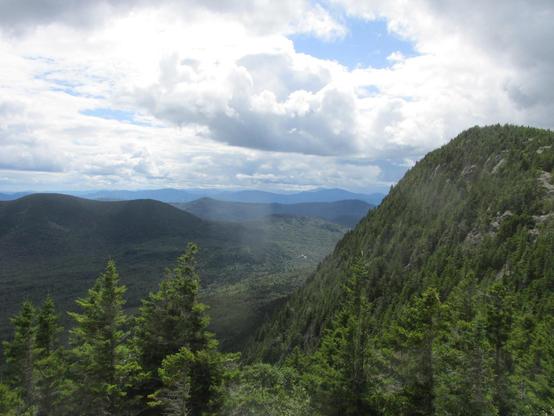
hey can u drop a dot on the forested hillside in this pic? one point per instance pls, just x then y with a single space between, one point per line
346 213
56 244
441 301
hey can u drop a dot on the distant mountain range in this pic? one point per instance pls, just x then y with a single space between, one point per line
347 213
58 244
253 196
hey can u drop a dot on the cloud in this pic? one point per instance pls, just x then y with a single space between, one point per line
121 93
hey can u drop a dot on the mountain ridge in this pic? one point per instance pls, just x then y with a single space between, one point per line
467 198
345 212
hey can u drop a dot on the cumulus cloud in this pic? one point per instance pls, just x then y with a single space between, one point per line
226 100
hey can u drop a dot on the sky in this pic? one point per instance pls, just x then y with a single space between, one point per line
261 94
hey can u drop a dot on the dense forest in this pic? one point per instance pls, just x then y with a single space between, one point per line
440 302
57 244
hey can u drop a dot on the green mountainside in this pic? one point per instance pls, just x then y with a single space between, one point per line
478 206
346 213
56 244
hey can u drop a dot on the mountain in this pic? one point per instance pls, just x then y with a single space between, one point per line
12 196
316 195
474 214
58 244
163 195
251 196
346 213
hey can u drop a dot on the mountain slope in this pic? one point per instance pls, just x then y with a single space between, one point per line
479 209
346 213
58 244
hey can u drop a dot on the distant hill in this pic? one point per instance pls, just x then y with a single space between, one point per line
346 213
163 195
252 196
58 244
12 196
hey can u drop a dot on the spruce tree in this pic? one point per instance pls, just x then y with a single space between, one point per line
499 317
50 366
464 357
415 336
103 366
20 355
172 317
175 347
343 364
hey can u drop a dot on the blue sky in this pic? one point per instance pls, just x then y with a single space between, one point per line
367 43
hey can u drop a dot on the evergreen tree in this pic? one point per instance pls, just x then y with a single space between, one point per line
50 366
11 404
464 358
499 316
171 336
20 354
263 389
415 338
342 369
192 382
172 317
103 368
533 380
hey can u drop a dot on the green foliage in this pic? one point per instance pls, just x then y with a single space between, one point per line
342 380
262 389
50 364
171 335
460 279
57 243
172 317
192 382
11 404
20 355
103 367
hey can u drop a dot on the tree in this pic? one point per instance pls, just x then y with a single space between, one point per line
50 365
342 368
172 317
20 354
192 382
464 357
103 366
11 404
171 336
263 389
499 315
415 336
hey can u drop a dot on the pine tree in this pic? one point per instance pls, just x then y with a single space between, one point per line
499 316
534 364
103 368
464 358
50 366
172 317
11 404
20 355
192 382
342 367
171 336
415 336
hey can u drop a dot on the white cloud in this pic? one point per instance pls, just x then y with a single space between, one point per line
217 95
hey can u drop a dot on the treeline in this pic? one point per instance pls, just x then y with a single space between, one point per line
482 351
162 361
